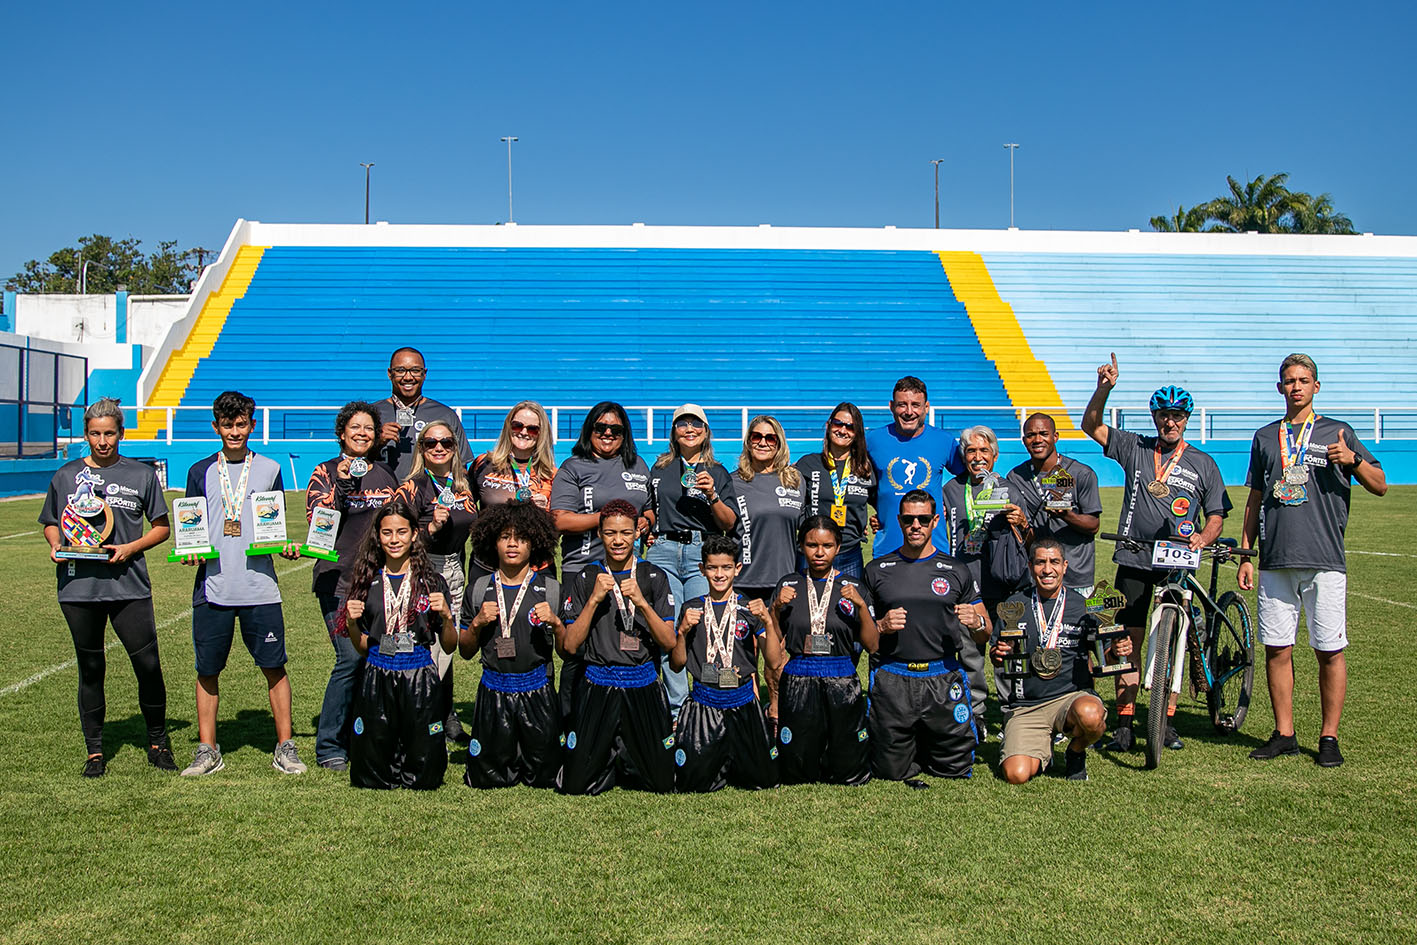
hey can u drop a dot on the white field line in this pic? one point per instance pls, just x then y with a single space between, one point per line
1382 600
67 664
18 535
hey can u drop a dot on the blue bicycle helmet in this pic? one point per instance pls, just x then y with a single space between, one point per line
1172 397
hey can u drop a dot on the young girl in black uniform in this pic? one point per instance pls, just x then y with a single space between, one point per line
396 614
510 616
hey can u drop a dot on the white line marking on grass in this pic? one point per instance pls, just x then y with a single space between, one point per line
17 535
175 619
1382 600
1381 554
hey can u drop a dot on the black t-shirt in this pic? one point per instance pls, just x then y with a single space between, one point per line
928 588
818 496
1074 636
1031 496
1308 535
356 499
602 643
747 630
426 624
843 619
1196 492
972 546
680 510
535 640
451 539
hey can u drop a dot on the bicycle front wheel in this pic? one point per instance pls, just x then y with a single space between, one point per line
1163 644
1230 663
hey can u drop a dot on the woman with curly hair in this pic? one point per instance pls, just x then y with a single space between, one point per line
510 617
397 613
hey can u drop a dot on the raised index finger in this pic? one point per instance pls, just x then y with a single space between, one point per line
1114 360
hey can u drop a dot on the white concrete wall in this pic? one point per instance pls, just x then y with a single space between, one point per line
76 318
150 316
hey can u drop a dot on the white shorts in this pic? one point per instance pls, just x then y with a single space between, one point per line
1323 596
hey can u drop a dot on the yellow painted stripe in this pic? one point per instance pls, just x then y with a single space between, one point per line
177 372
1026 379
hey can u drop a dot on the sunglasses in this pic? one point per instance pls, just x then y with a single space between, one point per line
842 425
907 520
609 429
769 438
530 429
688 423
445 442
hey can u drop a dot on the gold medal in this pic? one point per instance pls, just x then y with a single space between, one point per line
839 515
1159 489
1046 663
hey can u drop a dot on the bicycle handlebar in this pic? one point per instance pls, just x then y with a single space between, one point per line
1221 547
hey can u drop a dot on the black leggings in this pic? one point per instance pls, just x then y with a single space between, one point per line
133 622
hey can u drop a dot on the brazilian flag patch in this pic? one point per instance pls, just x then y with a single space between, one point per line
861 735
669 742
435 728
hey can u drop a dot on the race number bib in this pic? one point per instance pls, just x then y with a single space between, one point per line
1173 554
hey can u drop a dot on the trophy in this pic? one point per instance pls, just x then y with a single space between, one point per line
79 522
320 542
1012 630
1059 484
191 536
268 510
995 494
1103 606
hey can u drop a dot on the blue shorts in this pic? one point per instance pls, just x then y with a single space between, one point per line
262 630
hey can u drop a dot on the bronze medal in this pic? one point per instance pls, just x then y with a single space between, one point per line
728 677
1046 662
629 643
1159 489
818 644
506 648
231 527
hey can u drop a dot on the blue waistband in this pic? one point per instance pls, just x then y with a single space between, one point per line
820 667
920 670
717 698
421 656
623 677
529 681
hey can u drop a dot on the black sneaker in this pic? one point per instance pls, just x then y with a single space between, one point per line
1172 740
335 764
160 756
1077 765
1121 740
1329 755
915 784
95 767
1277 745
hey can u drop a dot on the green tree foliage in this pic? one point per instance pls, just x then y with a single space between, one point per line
1263 205
165 271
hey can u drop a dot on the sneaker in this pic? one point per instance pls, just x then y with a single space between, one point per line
1077 765
1122 739
1277 745
1329 755
335 764
95 766
915 784
285 760
1060 737
160 756
1172 740
206 761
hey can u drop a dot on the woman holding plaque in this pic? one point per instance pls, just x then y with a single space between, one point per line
768 489
438 491
691 496
520 468
98 502
840 482
353 485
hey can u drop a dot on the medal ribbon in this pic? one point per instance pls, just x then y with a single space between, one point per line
1163 474
689 471
719 645
1292 449
839 484
396 604
816 607
623 605
231 499
505 617
1054 629
523 476
438 485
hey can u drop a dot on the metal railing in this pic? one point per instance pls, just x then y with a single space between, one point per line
42 399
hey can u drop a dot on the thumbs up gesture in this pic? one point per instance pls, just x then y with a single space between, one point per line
1340 452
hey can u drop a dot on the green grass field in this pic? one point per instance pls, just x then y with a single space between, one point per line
1212 847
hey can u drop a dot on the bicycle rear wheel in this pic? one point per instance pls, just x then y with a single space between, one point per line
1230 663
1163 645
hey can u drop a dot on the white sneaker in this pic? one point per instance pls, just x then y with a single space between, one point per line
285 760
207 761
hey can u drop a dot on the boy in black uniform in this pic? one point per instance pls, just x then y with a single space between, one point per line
1056 695
510 616
924 603
722 735
617 614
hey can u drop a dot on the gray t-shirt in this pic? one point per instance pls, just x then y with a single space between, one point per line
1309 535
1030 495
768 516
1197 492
131 491
584 486
400 455
235 579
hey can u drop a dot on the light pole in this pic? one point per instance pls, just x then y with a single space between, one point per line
84 276
509 139
366 188
1012 146
937 162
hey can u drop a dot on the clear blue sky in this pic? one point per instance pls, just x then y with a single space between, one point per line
170 122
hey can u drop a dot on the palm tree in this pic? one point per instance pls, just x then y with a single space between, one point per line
1316 215
1185 221
1257 206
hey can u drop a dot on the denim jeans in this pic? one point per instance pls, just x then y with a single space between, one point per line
332 732
680 563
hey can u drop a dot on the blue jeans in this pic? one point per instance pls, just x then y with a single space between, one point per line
680 563
332 733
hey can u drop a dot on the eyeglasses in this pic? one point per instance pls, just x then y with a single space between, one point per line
907 520
446 442
609 429
842 424
689 423
769 438
408 371
530 429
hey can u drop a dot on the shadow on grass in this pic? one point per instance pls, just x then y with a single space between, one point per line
121 734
